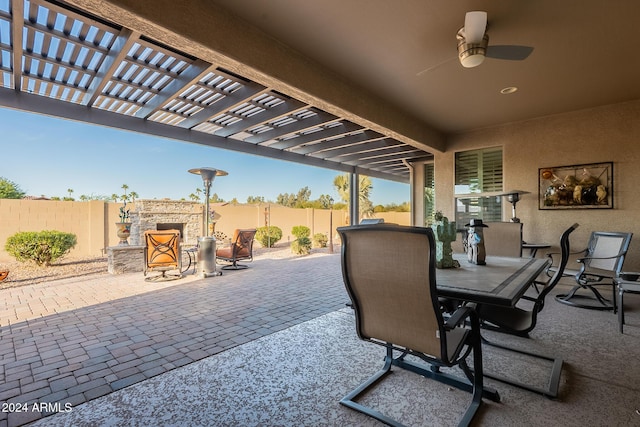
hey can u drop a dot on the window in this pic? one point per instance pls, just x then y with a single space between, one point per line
478 181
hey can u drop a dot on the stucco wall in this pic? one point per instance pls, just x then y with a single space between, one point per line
609 133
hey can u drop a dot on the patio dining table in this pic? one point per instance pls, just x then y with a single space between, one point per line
501 282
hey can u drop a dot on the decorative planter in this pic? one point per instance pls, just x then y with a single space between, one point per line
123 230
445 233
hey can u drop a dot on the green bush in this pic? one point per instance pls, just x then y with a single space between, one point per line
268 236
320 240
42 247
301 246
301 231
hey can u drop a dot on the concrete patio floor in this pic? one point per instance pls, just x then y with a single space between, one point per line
71 341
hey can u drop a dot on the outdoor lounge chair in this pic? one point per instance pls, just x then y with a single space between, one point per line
602 263
162 253
389 273
241 249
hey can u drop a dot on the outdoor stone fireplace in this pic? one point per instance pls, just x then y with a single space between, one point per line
165 214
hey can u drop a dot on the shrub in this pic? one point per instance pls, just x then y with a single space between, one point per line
42 247
301 246
268 236
301 231
320 240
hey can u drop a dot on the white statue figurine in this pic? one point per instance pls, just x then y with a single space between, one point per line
475 242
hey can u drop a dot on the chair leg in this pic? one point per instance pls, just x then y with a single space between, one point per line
597 296
349 399
554 379
620 308
477 387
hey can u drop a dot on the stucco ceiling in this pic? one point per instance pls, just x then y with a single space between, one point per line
583 53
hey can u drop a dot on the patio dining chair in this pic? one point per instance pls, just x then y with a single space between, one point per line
162 253
522 320
601 264
503 238
392 287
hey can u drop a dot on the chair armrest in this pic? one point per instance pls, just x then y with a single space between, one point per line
459 315
581 260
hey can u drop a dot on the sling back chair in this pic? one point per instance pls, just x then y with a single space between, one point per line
503 239
241 249
520 321
162 253
389 273
602 263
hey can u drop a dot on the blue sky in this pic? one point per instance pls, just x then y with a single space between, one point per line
46 156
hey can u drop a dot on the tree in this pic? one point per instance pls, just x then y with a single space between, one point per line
215 199
299 200
195 196
341 182
10 190
125 196
69 198
255 199
326 201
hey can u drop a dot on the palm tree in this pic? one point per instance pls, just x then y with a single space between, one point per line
341 182
133 196
125 197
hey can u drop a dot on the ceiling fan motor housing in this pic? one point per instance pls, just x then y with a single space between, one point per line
471 54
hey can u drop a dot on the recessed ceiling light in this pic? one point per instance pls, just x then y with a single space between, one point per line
508 90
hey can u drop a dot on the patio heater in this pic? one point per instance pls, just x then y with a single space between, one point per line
207 244
513 197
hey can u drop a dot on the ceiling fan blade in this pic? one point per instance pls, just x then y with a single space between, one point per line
509 52
475 24
433 67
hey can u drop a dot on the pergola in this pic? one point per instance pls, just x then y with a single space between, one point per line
65 63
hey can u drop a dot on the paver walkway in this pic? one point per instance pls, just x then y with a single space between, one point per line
75 340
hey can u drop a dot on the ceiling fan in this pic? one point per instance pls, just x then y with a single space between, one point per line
473 44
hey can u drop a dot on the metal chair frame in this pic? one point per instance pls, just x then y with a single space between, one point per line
598 269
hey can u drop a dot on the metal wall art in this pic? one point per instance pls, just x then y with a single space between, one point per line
588 186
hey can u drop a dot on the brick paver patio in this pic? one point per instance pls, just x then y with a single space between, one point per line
71 341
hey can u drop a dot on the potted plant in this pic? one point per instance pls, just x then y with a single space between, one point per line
123 227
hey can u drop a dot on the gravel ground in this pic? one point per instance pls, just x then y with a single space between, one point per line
28 273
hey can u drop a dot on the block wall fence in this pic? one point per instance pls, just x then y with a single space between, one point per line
93 222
